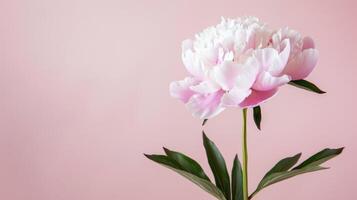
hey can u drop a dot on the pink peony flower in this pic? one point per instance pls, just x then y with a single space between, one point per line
240 63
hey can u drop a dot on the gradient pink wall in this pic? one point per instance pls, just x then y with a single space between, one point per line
84 92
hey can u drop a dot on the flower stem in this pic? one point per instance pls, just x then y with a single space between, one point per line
245 156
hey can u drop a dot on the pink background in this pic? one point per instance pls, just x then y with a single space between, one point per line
84 92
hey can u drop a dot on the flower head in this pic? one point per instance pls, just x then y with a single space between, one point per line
240 63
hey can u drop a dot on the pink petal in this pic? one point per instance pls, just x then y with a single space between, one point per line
234 97
205 106
226 73
248 74
271 60
205 87
302 65
230 74
308 43
209 57
266 57
283 58
258 97
181 89
265 81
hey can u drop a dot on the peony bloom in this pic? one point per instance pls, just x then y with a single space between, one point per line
240 63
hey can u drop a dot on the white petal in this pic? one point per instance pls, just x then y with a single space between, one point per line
226 73
234 97
186 45
248 74
181 89
205 106
192 63
279 64
266 57
209 56
205 87
229 74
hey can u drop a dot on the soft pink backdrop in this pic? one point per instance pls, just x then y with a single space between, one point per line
84 92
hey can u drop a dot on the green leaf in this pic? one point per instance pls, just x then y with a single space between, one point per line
283 165
257 116
162 159
202 183
204 122
237 180
218 166
186 163
280 176
281 171
304 84
320 157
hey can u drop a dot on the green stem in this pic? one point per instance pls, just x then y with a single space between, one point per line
245 156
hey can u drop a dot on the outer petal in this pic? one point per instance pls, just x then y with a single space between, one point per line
258 97
234 97
205 87
302 65
181 89
248 75
265 81
206 106
226 73
230 75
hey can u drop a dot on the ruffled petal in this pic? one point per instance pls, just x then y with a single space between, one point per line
273 61
279 66
205 87
234 97
226 74
181 89
205 106
248 74
258 97
266 57
209 57
230 74
190 60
